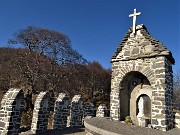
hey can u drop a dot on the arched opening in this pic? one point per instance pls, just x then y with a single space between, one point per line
143 110
12 103
132 85
146 106
41 113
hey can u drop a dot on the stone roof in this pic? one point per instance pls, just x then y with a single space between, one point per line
148 46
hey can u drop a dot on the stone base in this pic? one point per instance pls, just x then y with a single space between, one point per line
143 122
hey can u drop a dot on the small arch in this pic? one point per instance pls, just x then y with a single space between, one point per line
76 111
147 105
102 111
89 109
132 84
40 113
61 110
12 103
146 71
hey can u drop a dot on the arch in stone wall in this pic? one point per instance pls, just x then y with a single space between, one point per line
89 109
135 94
146 71
102 111
12 105
40 113
133 84
76 111
61 110
147 105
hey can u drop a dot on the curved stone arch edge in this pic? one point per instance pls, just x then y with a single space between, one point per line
147 72
120 76
11 100
147 92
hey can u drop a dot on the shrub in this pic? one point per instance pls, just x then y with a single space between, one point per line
128 120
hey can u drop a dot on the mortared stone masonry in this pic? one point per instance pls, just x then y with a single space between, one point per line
142 64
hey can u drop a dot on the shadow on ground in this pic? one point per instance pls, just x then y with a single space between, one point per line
67 131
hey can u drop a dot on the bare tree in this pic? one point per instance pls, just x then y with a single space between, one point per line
176 95
55 45
46 61
48 52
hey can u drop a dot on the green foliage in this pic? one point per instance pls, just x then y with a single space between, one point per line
128 120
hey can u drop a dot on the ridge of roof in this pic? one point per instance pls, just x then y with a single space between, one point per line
159 49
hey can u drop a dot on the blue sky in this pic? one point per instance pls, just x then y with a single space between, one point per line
95 27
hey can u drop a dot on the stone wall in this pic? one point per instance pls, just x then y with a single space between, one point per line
102 111
119 71
40 113
89 110
76 111
177 120
13 102
161 87
12 105
61 110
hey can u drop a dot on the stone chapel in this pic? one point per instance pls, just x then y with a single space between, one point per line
142 80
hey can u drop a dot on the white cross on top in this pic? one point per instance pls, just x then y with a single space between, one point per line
134 19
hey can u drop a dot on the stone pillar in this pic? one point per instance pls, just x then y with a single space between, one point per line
89 110
177 120
76 111
115 92
12 106
101 111
61 109
40 113
162 93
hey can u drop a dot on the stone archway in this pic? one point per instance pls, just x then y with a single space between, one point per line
76 111
146 106
143 110
132 85
137 92
40 113
61 110
12 105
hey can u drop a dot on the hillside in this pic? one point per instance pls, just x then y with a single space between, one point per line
33 73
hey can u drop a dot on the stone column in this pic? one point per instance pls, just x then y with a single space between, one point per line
101 111
76 111
89 110
61 109
177 120
40 113
162 94
115 92
12 105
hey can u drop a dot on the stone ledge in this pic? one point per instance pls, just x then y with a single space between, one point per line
104 126
95 130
